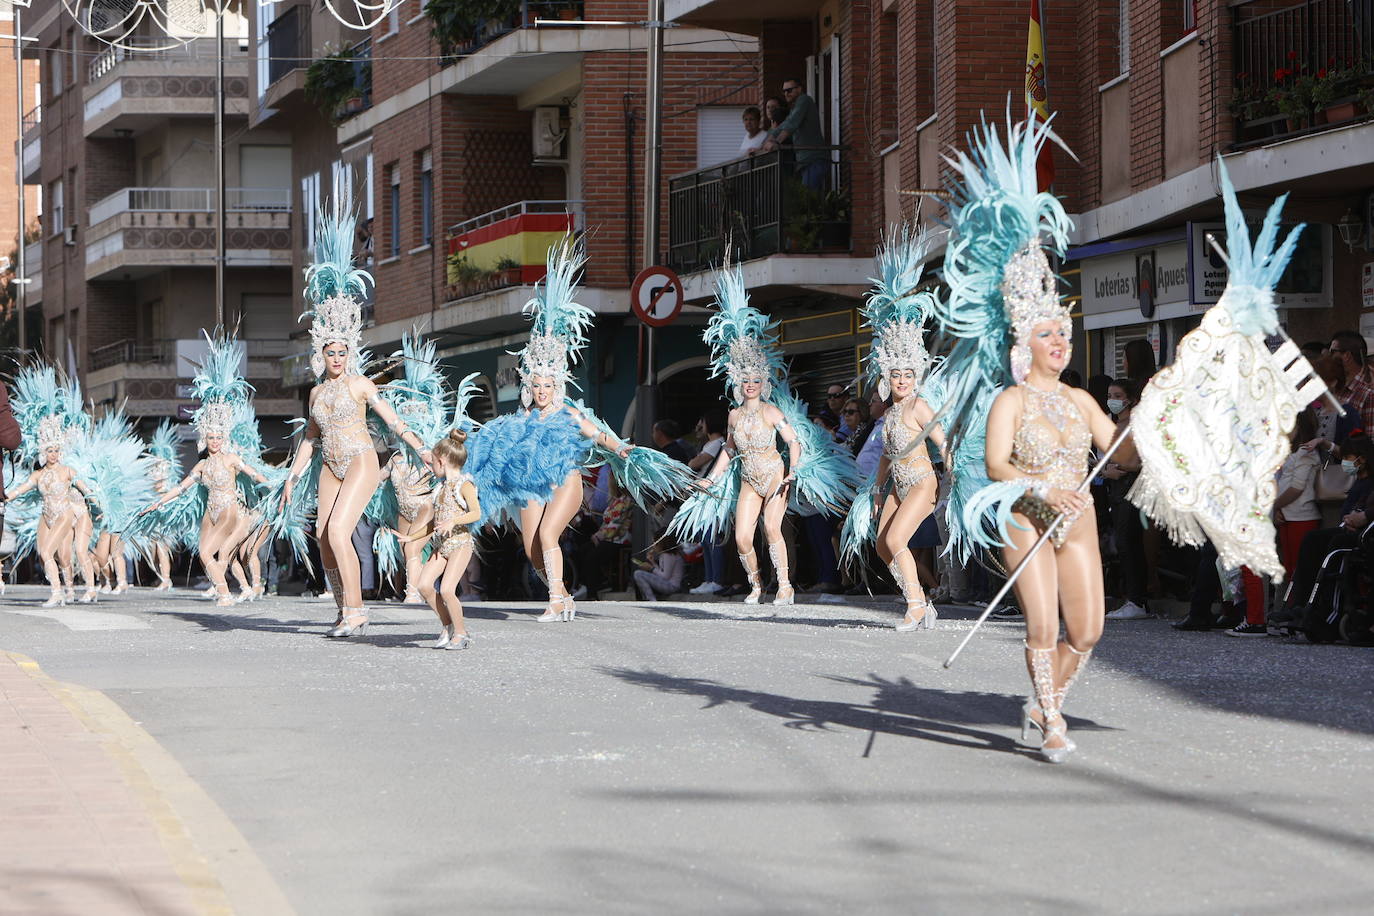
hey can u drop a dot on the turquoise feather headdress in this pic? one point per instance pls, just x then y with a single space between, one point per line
743 340
333 285
421 399
896 312
219 387
48 409
559 326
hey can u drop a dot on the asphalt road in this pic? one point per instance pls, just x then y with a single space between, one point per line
669 759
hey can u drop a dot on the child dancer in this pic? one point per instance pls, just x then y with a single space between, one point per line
455 508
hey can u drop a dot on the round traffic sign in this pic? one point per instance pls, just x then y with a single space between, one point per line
656 296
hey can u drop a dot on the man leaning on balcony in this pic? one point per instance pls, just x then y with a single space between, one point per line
803 128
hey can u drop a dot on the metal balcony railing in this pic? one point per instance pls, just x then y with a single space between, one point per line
33 117
288 43
163 351
1296 63
790 201
153 48
199 200
522 208
463 38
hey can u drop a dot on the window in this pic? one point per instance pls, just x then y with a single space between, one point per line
393 20
426 198
393 241
55 208
310 203
56 72
1189 16
76 57
1123 36
720 130
367 188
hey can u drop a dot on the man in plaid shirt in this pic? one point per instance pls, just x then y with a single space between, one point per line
1358 391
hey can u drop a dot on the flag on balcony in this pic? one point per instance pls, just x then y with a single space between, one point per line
1037 98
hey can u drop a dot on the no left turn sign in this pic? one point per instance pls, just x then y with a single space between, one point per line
656 296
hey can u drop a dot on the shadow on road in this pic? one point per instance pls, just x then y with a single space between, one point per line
899 707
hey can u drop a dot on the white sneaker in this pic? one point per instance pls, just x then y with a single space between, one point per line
706 588
1129 611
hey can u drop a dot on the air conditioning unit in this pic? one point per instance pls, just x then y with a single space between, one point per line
548 132
69 235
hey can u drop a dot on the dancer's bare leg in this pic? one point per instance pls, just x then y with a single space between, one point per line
558 512
774 508
117 558
1037 591
339 516
531 514
426 582
162 556
81 535
411 550
747 510
52 542
1081 601
213 538
248 552
448 589
898 523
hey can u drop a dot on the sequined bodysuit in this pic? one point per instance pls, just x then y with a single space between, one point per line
910 470
448 505
1051 444
54 490
221 482
760 464
410 490
342 425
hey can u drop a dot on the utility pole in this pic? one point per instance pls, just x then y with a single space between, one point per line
646 392
21 274
219 169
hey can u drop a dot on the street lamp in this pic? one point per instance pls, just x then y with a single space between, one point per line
1352 229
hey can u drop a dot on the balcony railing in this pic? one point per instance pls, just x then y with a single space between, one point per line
33 117
137 48
790 201
163 352
1300 68
288 43
508 246
521 208
196 200
460 39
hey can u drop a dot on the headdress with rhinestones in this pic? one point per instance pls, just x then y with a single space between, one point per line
48 409
897 311
219 387
742 339
422 397
333 286
558 329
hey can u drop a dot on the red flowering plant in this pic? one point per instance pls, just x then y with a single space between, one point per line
1291 92
1338 80
1251 99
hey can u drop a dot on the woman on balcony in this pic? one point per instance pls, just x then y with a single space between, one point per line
349 471
529 464
749 478
897 363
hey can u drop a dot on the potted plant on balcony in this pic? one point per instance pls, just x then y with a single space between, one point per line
458 25
463 276
508 272
1335 93
1251 101
818 220
1292 93
330 81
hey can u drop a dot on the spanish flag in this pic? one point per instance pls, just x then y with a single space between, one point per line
1037 99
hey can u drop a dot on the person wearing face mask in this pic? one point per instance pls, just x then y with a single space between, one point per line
1129 533
1357 460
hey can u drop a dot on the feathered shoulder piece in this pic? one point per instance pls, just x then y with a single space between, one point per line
222 391
165 444
896 311
743 341
559 325
333 286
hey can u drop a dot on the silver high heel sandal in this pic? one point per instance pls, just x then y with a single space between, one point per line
459 641
1041 663
927 620
778 554
560 606
345 629
751 571
90 597
334 582
1028 723
444 639
58 598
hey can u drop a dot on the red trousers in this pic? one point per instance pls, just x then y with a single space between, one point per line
1290 539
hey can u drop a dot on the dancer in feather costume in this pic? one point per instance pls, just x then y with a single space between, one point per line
49 414
120 472
423 400
164 449
245 440
749 478
349 473
897 364
1020 437
529 463
223 394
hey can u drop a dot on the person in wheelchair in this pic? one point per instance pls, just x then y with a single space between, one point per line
1357 512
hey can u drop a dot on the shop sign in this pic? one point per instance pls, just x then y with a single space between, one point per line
1112 283
1306 283
1367 285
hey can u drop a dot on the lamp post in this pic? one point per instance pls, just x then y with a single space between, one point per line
646 389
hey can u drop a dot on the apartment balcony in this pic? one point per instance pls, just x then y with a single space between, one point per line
129 91
33 269
742 18
508 246
758 210
289 55
1304 67
136 231
154 379
31 146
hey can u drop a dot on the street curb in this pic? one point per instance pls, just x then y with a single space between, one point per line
213 860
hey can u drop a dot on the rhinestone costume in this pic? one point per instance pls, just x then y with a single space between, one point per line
1052 444
756 440
53 489
908 471
408 481
342 425
448 505
222 483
